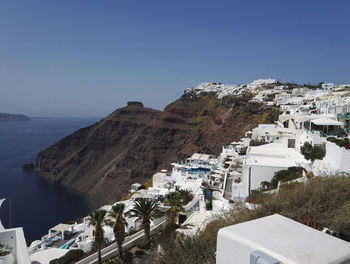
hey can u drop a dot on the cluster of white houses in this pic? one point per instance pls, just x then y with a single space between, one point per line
312 116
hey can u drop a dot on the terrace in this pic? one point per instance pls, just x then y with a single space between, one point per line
322 128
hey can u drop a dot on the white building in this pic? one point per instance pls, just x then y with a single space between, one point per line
318 128
277 239
327 86
219 88
300 91
261 163
270 133
279 87
14 243
260 82
311 128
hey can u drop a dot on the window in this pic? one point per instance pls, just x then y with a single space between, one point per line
291 143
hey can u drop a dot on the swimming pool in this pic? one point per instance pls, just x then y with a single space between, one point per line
68 244
201 172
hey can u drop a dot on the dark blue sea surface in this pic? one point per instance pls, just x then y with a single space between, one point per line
36 204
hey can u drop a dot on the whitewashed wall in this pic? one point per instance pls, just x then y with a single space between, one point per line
263 173
258 175
337 157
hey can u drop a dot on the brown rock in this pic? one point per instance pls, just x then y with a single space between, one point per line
134 142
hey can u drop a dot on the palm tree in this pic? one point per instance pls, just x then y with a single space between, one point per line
145 210
96 220
175 203
185 195
119 226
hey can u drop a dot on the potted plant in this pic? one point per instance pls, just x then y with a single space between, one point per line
6 256
237 180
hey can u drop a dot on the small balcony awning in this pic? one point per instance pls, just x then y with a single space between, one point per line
60 228
323 121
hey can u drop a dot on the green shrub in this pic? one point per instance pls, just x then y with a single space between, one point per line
114 261
340 142
205 112
186 250
286 175
265 185
341 221
259 197
139 253
209 204
142 187
312 152
128 257
273 115
70 257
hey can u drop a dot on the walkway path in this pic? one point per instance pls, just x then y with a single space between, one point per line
228 188
112 250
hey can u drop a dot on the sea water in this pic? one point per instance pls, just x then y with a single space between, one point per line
36 204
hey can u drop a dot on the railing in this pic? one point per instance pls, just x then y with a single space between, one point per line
224 185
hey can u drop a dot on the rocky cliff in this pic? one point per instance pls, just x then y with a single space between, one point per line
134 142
13 117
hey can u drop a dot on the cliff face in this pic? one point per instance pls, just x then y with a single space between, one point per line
134 142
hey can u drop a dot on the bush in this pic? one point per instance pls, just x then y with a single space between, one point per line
139 253
265 185
341 221
186 250
209 204
273 115
142 187
312 152
128 257
70 257
286 175
205 112
343 143
253 108
114 261
259 197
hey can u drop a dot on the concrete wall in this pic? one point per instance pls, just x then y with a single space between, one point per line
158 180
262 173
229 251
337 157
8 237
15 238
313 138
239 190
258 175
282 239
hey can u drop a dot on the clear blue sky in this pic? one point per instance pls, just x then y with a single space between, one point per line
87 58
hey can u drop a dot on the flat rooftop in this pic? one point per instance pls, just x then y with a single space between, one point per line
274 154
288 241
